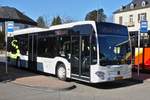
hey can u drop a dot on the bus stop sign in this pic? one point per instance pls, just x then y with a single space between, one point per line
10 27
144 26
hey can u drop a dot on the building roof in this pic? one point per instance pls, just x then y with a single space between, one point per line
136 4
13 14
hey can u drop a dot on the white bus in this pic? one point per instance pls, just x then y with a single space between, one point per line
87 51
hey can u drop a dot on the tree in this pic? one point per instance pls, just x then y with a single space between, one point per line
68 19
56 21
53 21
41 22
96 15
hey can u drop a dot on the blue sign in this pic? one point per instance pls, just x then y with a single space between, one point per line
144 26
10 27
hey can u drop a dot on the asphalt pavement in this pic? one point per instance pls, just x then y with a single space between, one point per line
20 84
34 80
123 90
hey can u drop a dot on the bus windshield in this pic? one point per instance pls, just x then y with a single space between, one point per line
114 49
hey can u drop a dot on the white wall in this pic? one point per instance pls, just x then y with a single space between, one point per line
135 13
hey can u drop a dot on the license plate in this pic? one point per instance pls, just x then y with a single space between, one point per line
119 78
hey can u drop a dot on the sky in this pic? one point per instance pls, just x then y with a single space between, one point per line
72 9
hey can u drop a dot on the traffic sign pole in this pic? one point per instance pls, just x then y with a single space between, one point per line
143 29
139 38
6 65
9 28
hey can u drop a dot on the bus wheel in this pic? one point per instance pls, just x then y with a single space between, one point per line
61 72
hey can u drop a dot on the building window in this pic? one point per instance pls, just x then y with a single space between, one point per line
142 16
130 23
121 20
131 18
144 39
143 4
132 6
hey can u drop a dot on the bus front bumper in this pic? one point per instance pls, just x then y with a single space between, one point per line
110 73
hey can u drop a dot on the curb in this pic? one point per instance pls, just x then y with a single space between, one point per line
9 79
12 78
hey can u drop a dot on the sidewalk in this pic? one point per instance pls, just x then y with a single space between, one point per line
145 77
25 78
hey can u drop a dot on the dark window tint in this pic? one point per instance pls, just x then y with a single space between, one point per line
64 49
114 50
9 46
47 47
93 49
54 44
83 29
111 29
23 44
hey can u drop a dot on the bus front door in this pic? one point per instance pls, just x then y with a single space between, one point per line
32 56
75 56
80 57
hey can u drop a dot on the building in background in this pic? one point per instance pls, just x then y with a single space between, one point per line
18 17
131 15
17 26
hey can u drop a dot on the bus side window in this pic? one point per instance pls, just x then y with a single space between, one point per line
47 47
64 43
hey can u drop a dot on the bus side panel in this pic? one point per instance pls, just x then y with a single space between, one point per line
48 65
143 58
147 58
138 57
24 61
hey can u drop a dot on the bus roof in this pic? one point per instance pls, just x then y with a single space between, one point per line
28 30
62 26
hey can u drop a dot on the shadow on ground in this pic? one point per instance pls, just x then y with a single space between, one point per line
135 80
13 73
144 75
114 84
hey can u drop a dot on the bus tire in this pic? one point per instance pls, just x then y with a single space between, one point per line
61 72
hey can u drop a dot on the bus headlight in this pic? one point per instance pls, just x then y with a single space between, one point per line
100 74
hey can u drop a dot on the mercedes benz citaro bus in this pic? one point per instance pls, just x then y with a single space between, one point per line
87 51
